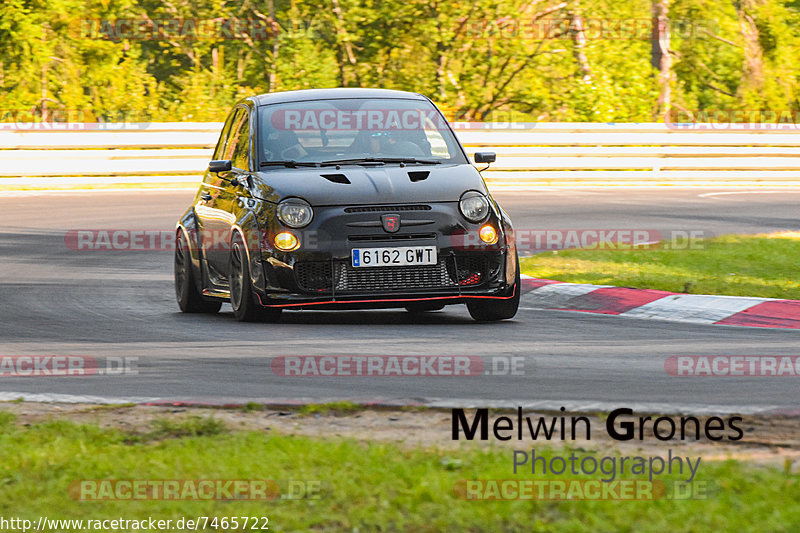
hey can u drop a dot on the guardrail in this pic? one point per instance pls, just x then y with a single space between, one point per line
528 155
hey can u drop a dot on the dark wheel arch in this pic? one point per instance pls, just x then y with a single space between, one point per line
485 310
187 289
244 302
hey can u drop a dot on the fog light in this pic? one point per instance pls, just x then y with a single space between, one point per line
488 234
286 242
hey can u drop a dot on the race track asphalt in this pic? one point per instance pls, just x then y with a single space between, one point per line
107 304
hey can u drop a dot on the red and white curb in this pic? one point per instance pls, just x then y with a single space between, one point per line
662 305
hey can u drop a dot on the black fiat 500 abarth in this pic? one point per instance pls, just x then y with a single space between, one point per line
344 199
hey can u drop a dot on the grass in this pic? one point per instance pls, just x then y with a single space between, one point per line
365 487
193 426
250 407
737 265
105 406
331 408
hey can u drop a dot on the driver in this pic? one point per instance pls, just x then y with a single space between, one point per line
384 142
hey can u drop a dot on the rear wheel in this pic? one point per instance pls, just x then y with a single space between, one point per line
189 299
486 310
424 307
243 301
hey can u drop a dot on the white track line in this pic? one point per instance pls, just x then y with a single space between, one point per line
71 398
713 194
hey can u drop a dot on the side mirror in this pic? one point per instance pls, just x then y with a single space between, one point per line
220 165
485 157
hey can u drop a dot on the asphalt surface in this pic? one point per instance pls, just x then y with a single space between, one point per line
106 304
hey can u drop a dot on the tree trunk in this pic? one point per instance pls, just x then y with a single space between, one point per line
579 44
43 80
660 56
44 92
344 42
272 74
753 67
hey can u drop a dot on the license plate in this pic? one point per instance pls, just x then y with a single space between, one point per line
399 256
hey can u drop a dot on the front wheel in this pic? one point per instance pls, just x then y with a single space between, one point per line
189 299
486 310
245 307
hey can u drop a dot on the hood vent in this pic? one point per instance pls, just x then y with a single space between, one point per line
418 175
336 178
386 208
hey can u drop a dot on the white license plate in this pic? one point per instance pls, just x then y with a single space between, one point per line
399 256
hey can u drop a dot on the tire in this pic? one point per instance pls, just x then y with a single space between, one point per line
424 307
494 310
189 299
243 301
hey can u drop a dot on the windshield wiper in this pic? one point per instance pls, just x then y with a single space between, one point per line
360 160
289 164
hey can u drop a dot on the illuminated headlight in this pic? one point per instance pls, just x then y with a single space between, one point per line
474 206
488 234
295 213
286 242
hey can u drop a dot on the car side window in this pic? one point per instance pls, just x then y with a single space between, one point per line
223 138
233 136
241 152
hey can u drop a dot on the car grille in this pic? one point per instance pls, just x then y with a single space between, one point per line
317 276
391 237
471 270
392 278
313 276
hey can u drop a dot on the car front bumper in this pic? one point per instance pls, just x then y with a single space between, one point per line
454 279
320 273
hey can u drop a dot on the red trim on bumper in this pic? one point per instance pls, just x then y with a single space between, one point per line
387 300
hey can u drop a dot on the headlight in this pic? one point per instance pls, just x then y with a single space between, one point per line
488 234
474 206
295 213
286 242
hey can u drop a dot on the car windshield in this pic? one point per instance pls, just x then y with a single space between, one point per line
355 131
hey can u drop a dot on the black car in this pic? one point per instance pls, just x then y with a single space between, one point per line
344 198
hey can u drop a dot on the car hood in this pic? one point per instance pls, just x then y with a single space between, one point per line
354 184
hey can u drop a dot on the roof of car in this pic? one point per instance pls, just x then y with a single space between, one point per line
326 94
